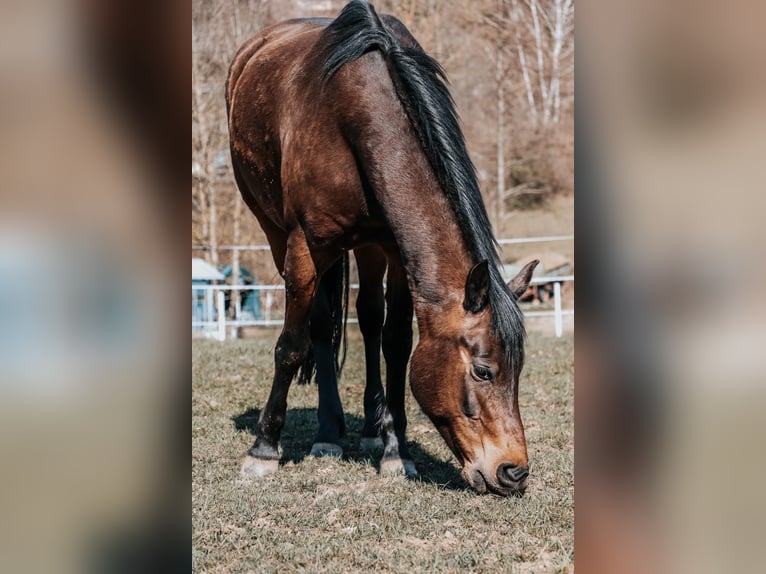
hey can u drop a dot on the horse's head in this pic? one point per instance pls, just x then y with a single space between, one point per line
463 381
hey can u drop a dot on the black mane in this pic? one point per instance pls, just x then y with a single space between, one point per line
421 85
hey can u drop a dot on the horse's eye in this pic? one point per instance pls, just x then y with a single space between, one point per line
482 373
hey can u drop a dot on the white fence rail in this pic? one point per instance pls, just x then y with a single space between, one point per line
209 309
212 317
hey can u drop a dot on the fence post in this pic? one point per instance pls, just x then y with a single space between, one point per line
221 315
269 301
557 308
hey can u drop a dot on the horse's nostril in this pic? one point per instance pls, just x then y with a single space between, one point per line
510 475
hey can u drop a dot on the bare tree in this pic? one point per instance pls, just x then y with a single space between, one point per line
206 119
510 63
218 28
546 28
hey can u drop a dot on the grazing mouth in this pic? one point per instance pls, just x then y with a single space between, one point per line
475 480
478 482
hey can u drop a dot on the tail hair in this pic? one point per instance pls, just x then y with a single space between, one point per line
356 31
335 283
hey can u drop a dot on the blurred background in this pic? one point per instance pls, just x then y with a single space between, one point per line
93 396
670 142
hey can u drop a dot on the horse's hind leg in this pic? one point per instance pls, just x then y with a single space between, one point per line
370 309
328 303
290 352
397 346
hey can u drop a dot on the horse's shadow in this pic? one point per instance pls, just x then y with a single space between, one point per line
300 429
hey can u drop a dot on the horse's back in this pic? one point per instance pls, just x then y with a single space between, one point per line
288 139
263 100
272 42
265 68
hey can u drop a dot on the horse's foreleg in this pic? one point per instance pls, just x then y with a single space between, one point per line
397 346
370 309
290 352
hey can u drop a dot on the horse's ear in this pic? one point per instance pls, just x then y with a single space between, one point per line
477 288
520 283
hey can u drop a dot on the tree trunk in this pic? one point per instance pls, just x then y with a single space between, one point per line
516 23
500 199
213 241
539 49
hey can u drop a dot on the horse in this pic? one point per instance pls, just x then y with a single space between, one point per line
344 137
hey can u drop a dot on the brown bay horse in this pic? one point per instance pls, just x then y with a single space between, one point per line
344 137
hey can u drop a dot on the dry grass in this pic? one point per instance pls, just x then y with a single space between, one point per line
325 515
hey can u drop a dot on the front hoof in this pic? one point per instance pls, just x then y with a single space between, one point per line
253 467
367 443
320 449
398 467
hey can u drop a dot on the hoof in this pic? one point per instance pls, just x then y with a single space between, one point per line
253 467
320 449
398 467
370 443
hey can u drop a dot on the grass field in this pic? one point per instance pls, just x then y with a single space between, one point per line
328 515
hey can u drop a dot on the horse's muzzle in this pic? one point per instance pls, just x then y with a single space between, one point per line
512 477
509 479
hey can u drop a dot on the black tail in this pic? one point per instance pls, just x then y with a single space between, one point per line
331 310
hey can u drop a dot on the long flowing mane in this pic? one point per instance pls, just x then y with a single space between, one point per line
422 88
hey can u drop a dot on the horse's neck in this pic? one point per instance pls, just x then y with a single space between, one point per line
425 227
432 246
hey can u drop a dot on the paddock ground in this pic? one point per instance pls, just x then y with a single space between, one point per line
327 515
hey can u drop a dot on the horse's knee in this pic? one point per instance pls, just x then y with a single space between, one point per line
291 349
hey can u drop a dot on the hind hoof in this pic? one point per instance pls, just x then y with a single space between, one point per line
410 471
398 467
370 443
320 449
254 467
